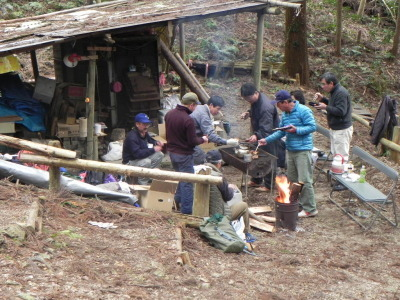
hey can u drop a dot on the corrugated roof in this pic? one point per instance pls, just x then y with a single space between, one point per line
26 34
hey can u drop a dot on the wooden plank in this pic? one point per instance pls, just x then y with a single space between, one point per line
268 219
201 199
10 119
261 226
260 209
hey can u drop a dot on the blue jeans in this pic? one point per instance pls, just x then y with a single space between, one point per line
184 192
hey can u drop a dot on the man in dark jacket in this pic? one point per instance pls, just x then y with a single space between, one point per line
181 140
338 109
264 118
140 149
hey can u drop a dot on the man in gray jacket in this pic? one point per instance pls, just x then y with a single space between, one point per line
203 117
338 109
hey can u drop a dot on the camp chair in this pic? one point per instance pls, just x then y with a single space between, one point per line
375 199
320 168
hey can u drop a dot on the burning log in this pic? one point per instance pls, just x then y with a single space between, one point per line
295 191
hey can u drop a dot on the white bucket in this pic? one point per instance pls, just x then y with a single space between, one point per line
97 128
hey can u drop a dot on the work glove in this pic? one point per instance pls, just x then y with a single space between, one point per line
232 142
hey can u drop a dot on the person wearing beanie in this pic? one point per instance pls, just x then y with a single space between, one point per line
222 195
203 117
264 118
181 140
140 149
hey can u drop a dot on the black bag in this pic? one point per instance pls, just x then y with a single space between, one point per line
94 177
220 233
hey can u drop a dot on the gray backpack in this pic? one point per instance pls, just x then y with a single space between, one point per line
220 233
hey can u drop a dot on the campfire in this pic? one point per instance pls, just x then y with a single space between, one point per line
288 193
286 203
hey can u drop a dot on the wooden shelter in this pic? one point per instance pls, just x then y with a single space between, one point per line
107 56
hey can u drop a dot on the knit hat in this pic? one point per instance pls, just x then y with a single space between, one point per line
213 156
190 98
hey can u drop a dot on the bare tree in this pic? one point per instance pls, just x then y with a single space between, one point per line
361 8
339 19
396 38
296 54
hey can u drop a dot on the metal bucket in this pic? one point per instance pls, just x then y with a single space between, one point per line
286 215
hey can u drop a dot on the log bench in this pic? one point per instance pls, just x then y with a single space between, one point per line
371 196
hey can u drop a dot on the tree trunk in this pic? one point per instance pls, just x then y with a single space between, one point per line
296 54
361 8
338 45
396 38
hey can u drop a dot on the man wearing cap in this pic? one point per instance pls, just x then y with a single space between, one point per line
203 120
222 196
181 140
264 117
338 112
300 124
140 149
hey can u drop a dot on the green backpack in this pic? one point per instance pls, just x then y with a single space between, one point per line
220 233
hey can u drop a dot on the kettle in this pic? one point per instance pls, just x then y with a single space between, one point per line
337 164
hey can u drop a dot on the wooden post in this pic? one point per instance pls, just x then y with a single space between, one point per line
90 106
201 199
54 172
182 51
394 155
113 97
259 49
35 67
191 81
36 147
120 169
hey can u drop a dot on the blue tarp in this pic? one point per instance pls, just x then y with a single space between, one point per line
16 99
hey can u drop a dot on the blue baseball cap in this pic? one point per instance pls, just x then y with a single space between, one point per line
282 95
142 118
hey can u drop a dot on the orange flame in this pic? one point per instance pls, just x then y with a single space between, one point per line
282 185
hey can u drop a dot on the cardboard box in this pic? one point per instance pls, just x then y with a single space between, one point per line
70 116
160 196
154 125
66 130
7 127
74 92
161 131
44 89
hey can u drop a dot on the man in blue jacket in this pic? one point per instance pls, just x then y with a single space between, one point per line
300 124
140 149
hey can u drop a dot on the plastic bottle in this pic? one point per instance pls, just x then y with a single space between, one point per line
350 167
363 173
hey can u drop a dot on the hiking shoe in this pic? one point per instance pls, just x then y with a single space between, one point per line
306 214
252 184
262 189
250 238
